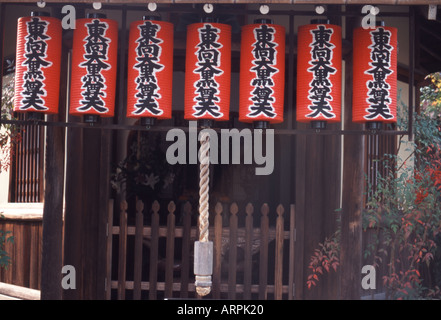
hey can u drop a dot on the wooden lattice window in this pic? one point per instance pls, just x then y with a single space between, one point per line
27 166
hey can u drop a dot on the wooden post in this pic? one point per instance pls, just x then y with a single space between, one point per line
74 200
186 237
170 249
52 253
217 268
263 263
122 254
232 259
109 251
52 247
278 284
353 188
137 272
292 240
153 277
249 209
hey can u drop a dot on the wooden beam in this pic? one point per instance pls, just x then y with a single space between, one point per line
13 292
52 250
74 200
353 188
340 2
53 216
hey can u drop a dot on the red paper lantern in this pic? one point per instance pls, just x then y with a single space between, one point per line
94 56
375 76
150 70
262 73
319 73
208 71
37 72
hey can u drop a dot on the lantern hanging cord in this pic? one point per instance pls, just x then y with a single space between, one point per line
203 281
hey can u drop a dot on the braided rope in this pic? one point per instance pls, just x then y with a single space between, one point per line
203 186
203 204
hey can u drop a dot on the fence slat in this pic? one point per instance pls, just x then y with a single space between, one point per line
263 263
185 271
217 266
137 272
122 251
34 251
170 250
153 277
232 258
109 251
249 209
278 283
292 239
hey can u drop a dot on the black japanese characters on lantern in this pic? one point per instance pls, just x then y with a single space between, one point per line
35 54
38 56
147 66
150 70
208 72
375 76
264 62
321 86
93 83
319 74
262 73
207 88
94 66
379 89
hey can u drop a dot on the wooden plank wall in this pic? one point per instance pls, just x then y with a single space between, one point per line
236 275
25 252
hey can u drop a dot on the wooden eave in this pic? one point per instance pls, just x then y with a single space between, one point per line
323 2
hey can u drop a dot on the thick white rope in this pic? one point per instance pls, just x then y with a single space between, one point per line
204 173
203 186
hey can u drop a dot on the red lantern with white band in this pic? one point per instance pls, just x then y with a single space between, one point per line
37 73
319 74
208 71
375 76
150 70
262 73
94 59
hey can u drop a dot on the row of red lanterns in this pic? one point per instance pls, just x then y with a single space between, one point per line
208 70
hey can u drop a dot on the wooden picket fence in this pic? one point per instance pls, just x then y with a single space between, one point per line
249 262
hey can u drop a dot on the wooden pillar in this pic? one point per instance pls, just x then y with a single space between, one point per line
52 257
353 189
74 200
52 246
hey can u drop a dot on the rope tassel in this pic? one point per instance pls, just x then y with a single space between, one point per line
203 249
